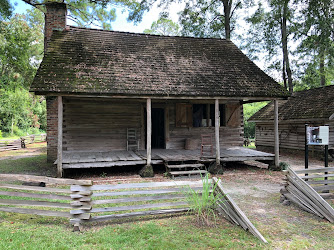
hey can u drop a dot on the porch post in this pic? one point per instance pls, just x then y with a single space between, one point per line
60 138
276 134
217 131
148 132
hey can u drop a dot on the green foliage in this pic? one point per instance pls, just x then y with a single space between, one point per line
284 165
204 204
270 34
316 50
21 49
0 134
249 110
163 26
6 9
20 110
89 12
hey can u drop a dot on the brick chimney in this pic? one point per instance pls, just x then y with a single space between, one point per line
55 19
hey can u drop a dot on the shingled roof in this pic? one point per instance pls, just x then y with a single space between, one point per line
95 62
309 104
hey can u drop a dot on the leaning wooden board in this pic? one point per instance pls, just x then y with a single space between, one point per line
234 212
300 193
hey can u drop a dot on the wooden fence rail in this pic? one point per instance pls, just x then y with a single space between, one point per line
47 201
14 144
82 202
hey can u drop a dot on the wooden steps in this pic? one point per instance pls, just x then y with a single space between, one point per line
186 169
184 166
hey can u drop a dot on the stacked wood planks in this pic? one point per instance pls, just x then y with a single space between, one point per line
299 192
230 210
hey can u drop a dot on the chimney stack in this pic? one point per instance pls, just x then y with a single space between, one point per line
55 19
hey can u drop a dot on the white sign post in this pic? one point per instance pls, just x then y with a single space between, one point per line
316 136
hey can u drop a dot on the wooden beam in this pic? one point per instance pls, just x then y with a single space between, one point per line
142 126
217 131
208 115
167 97
166 125
276 133
148 132
60 138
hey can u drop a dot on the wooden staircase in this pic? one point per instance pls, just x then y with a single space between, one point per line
185 169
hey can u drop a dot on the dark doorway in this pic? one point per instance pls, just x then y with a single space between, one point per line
158 128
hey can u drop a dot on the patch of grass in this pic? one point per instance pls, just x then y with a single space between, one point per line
23 231
36 165
204 204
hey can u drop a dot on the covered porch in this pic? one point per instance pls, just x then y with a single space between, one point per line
72 160
79 118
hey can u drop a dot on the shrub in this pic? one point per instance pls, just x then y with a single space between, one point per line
283 165
203 205
0 134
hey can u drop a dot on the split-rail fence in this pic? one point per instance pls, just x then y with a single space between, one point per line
81 201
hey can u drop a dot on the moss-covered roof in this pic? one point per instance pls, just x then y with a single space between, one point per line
89 61
312 104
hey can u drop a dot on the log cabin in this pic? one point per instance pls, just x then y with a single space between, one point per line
314 107
117 98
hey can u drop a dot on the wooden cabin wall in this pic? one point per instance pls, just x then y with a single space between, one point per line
99 124
230 135
291 135
331 133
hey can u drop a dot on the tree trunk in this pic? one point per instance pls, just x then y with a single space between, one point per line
12 125
227 12
322 66
284 74
285 46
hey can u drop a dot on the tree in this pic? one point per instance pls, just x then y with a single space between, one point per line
6 9
269 32
199 18
21 48
20 110
215 18
163 26
316 32
85 12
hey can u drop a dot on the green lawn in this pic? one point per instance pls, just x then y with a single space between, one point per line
35 165
17 231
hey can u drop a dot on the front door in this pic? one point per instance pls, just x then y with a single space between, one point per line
158 128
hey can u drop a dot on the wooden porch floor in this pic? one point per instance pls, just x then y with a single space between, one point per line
159 156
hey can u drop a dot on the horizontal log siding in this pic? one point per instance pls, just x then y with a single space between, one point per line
99 125
331 133
228 136
291 135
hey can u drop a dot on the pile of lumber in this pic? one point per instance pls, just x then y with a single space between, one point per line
230 210
300 193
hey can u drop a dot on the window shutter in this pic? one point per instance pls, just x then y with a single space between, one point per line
184 115
233 115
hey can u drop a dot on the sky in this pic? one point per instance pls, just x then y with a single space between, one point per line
121 24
